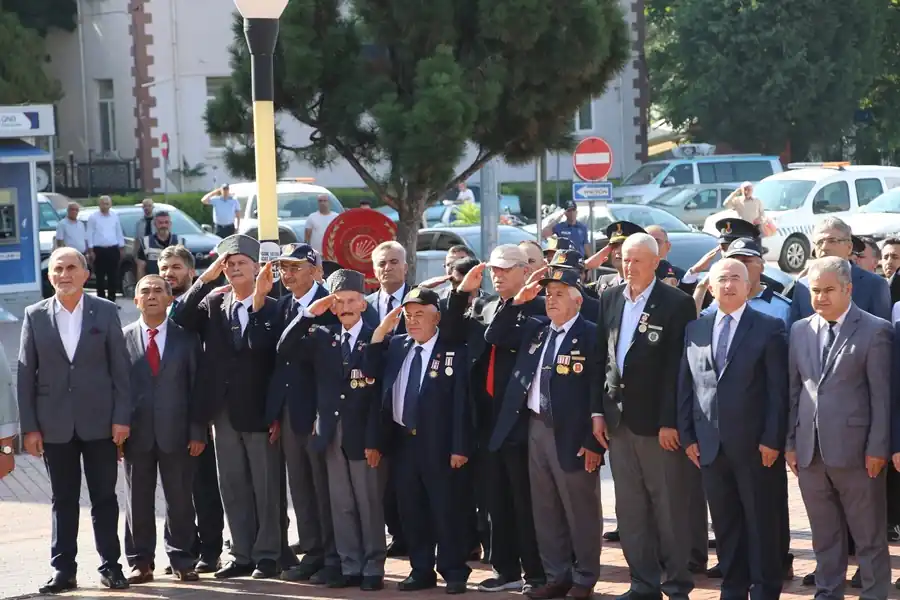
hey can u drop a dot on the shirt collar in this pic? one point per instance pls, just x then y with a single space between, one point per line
643 296
565 326
160 330
353 331
840 320
58 307
736 315
429 345
306 299
180 298
247 302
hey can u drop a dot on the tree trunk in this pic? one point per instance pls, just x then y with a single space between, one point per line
410 210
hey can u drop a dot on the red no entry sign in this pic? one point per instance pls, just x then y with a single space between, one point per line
592 159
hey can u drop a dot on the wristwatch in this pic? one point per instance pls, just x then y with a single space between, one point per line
6 450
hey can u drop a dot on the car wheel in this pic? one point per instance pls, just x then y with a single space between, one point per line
129 280
794 254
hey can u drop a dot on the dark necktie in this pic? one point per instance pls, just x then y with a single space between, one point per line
153 357
547 371
148 226
237 334
390 306
292 313
411 397
722 344
345 351
173 307
829 342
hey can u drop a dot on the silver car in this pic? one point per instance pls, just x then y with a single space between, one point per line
693 203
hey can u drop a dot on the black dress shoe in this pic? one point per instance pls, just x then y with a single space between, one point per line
186 575
456 587
324 575
697 569
714 572
611 536
397 550
297 549
629 595
114 579
372 583
809 579
234 569
58 584
340 581
787 571
301 572
207 565
414 584
893 533
266 569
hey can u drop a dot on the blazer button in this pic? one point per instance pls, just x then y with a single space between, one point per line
287 362
71 367
336 413
287 385
621 386
342 396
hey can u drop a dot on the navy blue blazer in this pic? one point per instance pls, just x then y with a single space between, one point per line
344 393
744 406
370 316
291 383
895 393
871 293
443 420
570 397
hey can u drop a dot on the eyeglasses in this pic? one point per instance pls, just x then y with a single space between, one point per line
830 240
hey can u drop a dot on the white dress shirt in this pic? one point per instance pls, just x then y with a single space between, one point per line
306 299
534 392
243 313
354 334
718 326
69 325
73 234
631 317
399 389
822 329
160 336
104 231
383 301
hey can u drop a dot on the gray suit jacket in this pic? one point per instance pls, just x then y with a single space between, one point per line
84 397
848 400
164 410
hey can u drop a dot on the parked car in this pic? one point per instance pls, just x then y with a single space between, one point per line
880 218
199 242
443 214
693 203
432 245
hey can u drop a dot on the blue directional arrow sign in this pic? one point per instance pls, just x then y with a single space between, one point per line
601 191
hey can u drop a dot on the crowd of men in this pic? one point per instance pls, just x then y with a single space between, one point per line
474 425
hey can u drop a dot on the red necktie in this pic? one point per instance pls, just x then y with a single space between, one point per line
489 384
153 352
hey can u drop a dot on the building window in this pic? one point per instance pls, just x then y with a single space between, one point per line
107 107
213 85
584 118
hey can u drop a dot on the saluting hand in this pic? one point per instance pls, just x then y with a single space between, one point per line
703 264
434 282
322 305
265 281
527 294
214 270
390 322
472 280
537 275
597 260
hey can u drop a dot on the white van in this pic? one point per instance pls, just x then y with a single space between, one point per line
798 198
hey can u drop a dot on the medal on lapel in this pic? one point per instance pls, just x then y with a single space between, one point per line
354 384
643 323
577 367
449 364
370 381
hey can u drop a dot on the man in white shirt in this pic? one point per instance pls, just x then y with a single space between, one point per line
106 243
70 232
318 222
465 194
226 211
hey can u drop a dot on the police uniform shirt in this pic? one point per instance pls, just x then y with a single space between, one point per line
534 392
151 248
576 233
768 302
399 391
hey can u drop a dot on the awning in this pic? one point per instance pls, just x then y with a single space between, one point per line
18 151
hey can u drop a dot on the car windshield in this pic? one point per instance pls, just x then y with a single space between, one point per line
49 219
885 203
646 174
298 205
783 194
673 198
645 216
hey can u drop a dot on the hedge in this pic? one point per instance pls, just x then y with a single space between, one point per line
350 197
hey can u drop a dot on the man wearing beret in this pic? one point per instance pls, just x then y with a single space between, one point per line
248 458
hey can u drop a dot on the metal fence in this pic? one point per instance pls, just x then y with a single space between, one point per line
94 177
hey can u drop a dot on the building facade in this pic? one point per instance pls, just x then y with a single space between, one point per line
138 72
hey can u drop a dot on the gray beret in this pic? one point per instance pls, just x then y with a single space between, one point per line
346 280
239 244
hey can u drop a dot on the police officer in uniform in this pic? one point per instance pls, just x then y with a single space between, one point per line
571 229
152 245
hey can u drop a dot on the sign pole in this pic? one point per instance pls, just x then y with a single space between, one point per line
538 188
166 178
490 209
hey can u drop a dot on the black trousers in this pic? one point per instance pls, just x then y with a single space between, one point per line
392 511
106 271
223 231
176 471
514 546
478 522
101 469
208 506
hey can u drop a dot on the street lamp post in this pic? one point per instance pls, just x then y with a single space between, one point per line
261 30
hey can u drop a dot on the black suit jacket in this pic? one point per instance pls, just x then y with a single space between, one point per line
643 397
371 318
234 378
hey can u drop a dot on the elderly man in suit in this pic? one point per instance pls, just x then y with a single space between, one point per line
236 377
732 413
838 439
75 407
550 385
633 400
9 417
166 433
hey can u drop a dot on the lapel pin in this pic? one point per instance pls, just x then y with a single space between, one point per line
432 374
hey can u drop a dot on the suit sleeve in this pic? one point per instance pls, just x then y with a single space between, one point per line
881 299
799 298
599 363
686 399
878 365
375 425
462 420
454 325
375 358
895 393
26 378
193 312
119 371
198 428
776 357
505 331
795 388
683 313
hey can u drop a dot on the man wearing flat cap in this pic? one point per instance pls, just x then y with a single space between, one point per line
291 405
568 227
424 392
552 387
349 428
238 375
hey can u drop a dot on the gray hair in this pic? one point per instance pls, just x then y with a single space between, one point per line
389 245
644 240
574 293
729 262
831 264
73 204
66 250
104 197
833 223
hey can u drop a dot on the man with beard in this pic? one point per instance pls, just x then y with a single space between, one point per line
513 543
151 246
176 266
247 453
